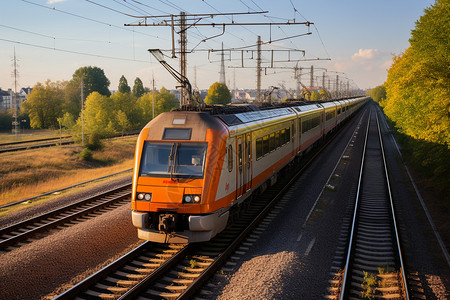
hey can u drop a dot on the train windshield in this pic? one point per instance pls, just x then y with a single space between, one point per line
173 160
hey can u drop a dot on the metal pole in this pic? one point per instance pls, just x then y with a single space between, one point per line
183 42
153 99
82 113
258 71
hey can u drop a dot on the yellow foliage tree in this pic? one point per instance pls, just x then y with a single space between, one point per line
418 83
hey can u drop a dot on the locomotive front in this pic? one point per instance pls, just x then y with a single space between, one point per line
178 162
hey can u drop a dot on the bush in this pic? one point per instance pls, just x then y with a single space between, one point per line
85 154
94 142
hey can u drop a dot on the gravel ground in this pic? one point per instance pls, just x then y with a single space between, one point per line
38 269
291 262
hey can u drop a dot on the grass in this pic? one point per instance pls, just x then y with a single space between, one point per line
33 172
29 135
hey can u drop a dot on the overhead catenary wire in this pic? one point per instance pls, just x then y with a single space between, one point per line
88 19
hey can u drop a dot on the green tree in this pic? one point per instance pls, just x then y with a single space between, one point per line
123 85
314 96
418 83
68 120
138 88
378 94
44 104
165 101
122 121
98 118
94 80
218 93
145 103
127 103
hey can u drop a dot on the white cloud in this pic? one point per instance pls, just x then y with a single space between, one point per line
54 1
365 54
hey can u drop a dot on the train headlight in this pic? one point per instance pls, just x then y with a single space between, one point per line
188 198
191 199
144 196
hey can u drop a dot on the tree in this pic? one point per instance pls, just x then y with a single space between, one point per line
314 96
98 117
218 93
44 104
138 88
123 85
378 93
165 101
418 83
127 103
94 80
122 121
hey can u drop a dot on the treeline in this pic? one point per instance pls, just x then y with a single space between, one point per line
55 104
416 95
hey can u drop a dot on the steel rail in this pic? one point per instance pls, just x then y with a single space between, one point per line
59 220
390 210
355 215
119 263
391 201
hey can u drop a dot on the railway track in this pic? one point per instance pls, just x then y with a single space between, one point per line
173 271
33 144
374 265
13 235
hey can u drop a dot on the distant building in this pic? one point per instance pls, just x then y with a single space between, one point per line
6 98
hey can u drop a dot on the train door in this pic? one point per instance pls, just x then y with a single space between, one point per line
248 163
240 166
244 164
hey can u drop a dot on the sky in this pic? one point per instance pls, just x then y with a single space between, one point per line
352 39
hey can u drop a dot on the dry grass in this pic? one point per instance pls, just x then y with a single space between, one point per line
29 135
33 172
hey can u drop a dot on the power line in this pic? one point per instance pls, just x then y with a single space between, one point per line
86 18
71 51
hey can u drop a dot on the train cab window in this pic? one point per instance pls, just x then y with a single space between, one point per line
177 134
173 160
230 158
259 148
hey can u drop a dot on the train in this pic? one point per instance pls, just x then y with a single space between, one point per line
194 168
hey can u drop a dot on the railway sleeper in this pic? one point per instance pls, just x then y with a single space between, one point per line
112 289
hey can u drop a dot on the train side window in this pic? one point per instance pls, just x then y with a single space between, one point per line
259 148
265 144
293 131
272 142
288 134
230 158
283 136
277 139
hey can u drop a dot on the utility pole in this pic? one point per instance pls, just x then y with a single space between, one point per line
153 99
222 67
183 54
14 97
82 112
311 78
337 86
258 71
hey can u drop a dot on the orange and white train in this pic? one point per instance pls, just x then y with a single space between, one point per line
193 168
